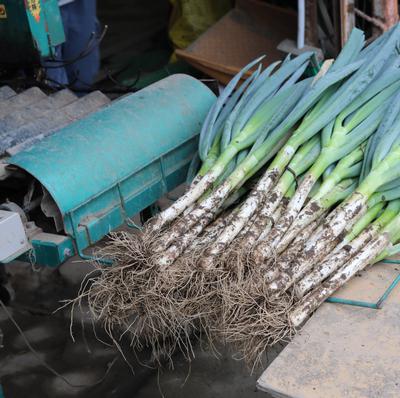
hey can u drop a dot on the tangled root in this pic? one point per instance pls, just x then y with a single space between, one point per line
187 299
236 259
252 319
120 297
161 308
169 308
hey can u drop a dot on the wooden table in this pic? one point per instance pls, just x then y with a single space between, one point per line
344 351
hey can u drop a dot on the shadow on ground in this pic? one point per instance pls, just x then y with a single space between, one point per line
86 361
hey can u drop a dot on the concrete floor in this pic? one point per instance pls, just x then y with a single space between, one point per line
38 295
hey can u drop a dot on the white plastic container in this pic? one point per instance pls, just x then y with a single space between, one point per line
13 239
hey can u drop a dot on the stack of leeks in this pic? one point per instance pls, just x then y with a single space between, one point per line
298 189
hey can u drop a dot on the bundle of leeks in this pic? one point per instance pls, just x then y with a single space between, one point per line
298 190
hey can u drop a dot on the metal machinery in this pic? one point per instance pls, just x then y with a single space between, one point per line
29 30
73 169
70 188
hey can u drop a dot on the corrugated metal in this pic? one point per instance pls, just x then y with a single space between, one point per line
32 115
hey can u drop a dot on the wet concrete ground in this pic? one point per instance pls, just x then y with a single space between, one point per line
100 368
85 361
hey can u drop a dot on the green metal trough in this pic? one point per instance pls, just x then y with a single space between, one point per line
109 166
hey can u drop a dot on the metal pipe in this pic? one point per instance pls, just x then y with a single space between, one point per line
300 23
365 304
357 303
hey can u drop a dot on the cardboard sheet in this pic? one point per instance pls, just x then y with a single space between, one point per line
250 30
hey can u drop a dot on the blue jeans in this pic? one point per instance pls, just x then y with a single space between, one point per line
79 19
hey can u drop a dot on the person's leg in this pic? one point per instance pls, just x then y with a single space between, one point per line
56 74
82 36
81 29
56 71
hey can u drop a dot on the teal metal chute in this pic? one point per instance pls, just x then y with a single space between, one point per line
109 166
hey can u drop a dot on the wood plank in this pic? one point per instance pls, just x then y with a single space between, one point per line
347 18
344 351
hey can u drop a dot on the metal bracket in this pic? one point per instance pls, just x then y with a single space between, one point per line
79 250
127 220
